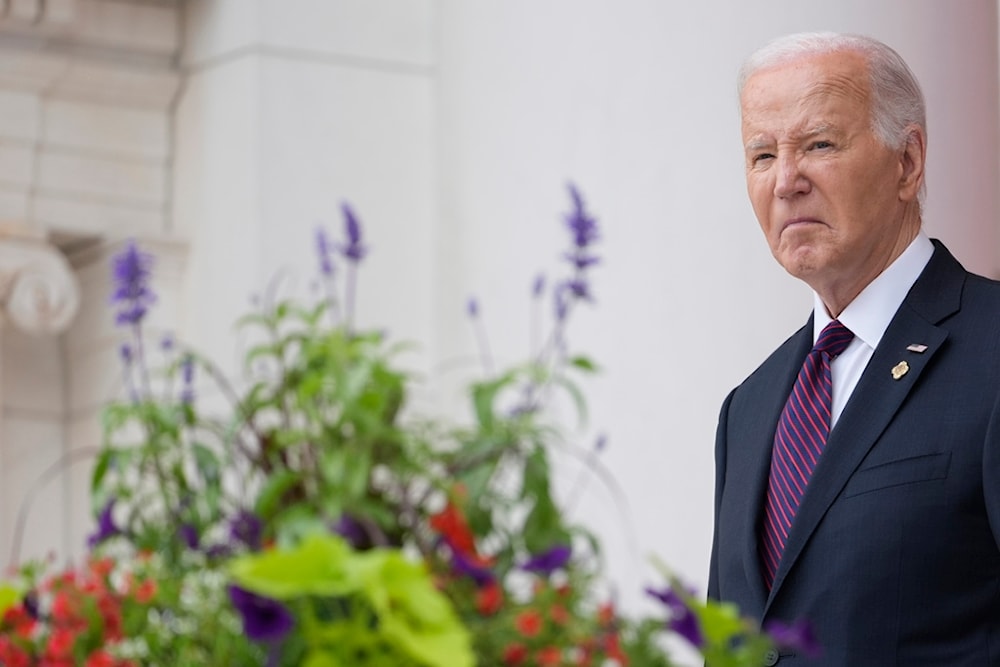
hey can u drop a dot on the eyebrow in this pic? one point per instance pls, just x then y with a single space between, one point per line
757 143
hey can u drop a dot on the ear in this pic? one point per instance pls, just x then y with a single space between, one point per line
911 161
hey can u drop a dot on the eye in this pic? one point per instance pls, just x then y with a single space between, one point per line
820 145
760 157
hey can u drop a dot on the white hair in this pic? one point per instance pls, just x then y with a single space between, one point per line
896 99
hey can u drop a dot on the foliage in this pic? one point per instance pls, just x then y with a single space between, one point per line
316 521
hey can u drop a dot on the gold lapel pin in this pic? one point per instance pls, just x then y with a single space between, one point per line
899 370
919 348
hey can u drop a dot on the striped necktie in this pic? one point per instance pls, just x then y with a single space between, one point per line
798 443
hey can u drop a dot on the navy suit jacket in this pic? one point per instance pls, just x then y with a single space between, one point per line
894 555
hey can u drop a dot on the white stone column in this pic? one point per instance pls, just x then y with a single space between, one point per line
289 109
39 296
86 95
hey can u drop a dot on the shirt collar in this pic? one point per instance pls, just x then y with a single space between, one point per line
869 314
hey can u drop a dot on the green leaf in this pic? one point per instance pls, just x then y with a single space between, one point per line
269 499
321 658
320 565
413 614
584 364
484 395
9 596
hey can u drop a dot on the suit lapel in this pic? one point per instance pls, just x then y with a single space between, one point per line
878 396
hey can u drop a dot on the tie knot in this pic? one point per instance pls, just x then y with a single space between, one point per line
834 338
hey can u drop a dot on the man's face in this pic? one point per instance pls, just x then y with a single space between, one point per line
829 196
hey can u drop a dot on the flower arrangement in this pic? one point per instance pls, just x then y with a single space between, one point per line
314 521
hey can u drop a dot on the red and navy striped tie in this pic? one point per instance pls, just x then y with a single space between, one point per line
798 443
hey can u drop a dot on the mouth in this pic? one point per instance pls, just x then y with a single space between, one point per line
799 222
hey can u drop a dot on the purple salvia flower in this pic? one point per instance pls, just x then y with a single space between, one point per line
581 223
561 302
601 442
472 307
579 288
131 269
681 619
324 249
106 527
354 250
125 352
187 380
167 342
538 286
547 562
797 636
264 619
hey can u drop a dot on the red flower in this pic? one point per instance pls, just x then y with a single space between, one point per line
11 655
20 620
145 591
100 658
606 614
529 623
451 524
60 645
515 654
614 649
489 599
559 615
550 656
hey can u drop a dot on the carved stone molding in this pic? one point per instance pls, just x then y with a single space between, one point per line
38 291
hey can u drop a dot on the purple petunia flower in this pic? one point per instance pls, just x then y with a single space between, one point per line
548 561
462 564
354 250
264 619
681 619
797 636
106 527
131 269
246 529
189 534
353 531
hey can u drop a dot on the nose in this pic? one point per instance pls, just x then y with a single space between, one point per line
789 179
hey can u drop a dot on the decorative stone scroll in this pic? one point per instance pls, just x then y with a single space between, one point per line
38 291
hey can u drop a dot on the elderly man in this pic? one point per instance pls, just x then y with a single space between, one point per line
858 468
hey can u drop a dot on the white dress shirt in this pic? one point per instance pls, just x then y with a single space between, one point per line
868 316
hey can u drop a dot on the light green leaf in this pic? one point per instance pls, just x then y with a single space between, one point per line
320 565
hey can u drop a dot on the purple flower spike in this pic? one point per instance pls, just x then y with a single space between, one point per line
472 307
797 636
681 619
125 352
549 561
106 527
187 378
581 223
323 249
538 286
354 250
264 619
131 269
